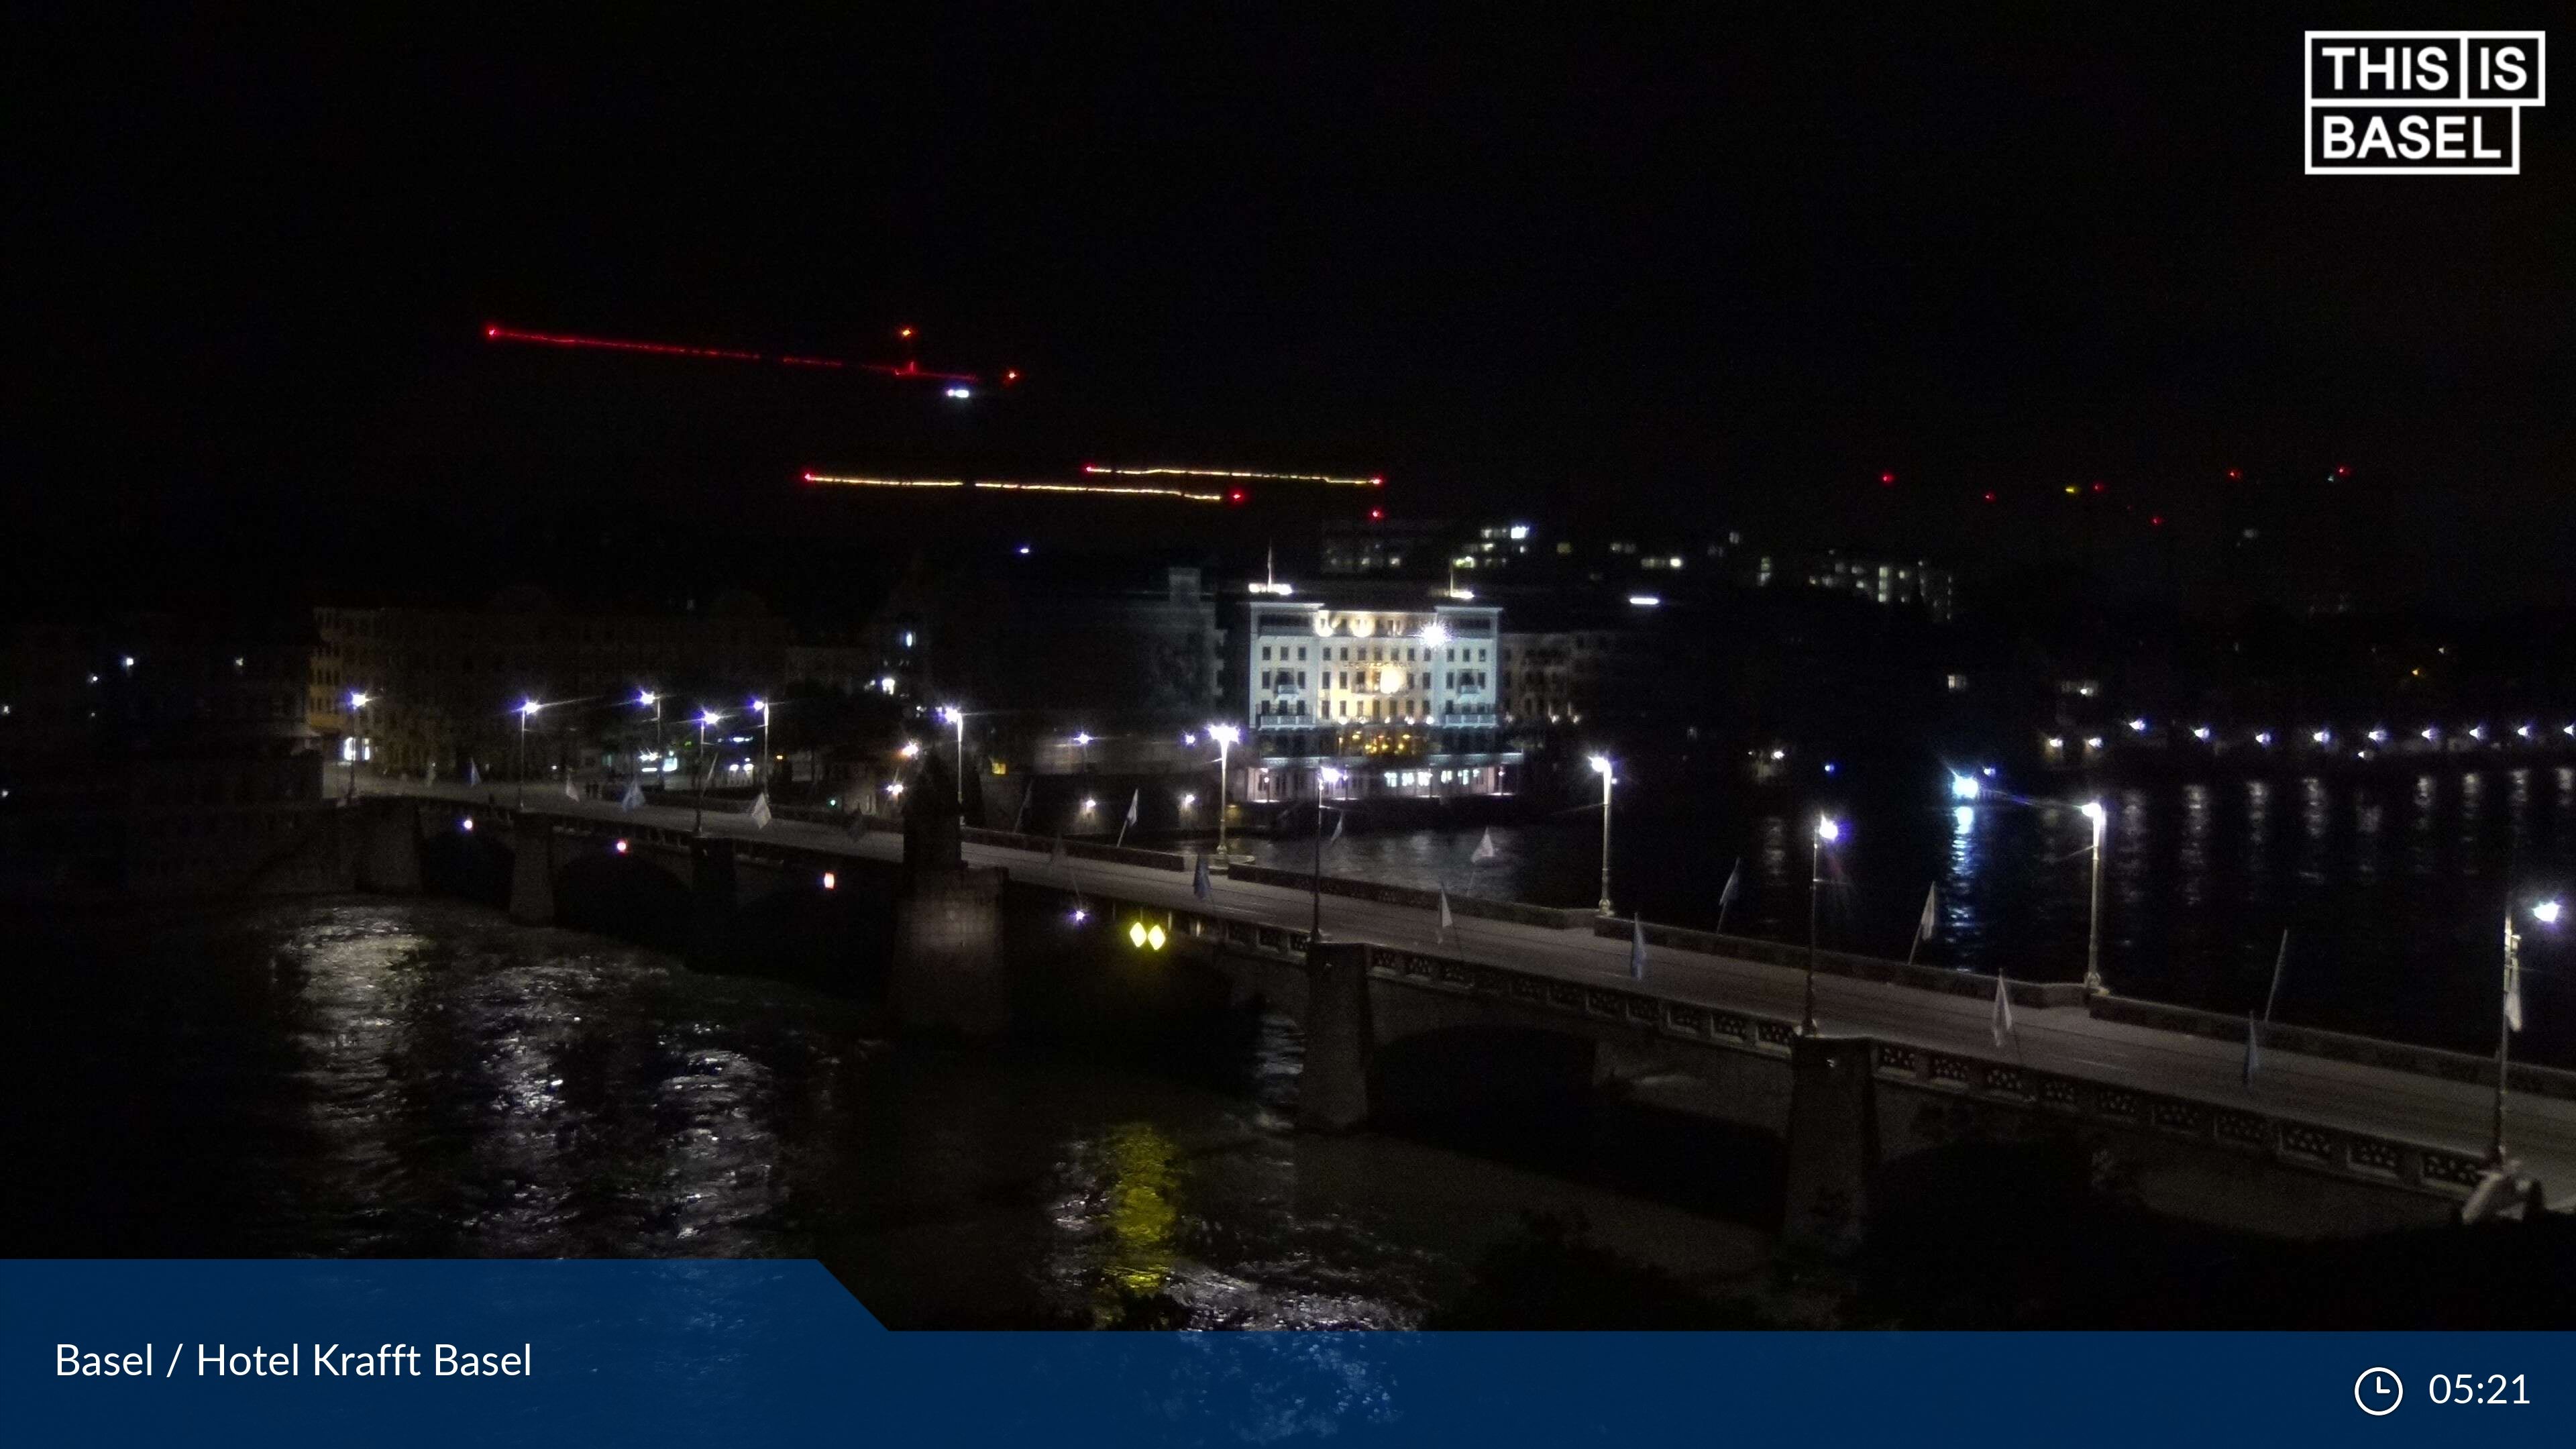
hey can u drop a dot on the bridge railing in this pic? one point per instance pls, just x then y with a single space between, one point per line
2338 1046
1557 918
1843 963
2231 1127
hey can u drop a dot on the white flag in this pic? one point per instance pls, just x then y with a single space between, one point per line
2003 1026
634 796
571 791
1931 907
1734 879
760 811
473 773
1636 949
1200 885
2253 1049
1485 848
1337 823
1445 920
1132 802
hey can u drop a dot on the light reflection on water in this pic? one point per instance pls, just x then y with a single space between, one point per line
422 1078
2388 885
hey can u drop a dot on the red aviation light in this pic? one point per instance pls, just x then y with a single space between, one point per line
1236 495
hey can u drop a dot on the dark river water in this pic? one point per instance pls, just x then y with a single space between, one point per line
2391 886
421 1078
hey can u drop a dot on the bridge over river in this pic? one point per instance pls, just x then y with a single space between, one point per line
2334 1133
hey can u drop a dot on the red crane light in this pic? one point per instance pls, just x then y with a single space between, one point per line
2235 473
1990 495
1886 480
2155 520
2101 487
1236 495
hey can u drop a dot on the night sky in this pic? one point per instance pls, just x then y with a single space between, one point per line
1694 273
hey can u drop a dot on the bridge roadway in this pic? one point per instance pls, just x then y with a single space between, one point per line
2425 1110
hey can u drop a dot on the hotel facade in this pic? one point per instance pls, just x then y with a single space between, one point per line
1368 692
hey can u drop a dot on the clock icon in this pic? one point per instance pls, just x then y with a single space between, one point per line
2378 1392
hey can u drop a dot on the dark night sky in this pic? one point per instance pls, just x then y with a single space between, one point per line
1686 272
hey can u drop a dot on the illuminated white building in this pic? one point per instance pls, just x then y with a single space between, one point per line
1371 692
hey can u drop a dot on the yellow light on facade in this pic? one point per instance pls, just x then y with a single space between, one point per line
1136 934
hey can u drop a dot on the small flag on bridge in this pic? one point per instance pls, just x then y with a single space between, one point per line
1338 817
571 790
2253 1047
1636 949
1200 884
1923 928
2253 1030
1133 800
1485 850
633 799
1446 921
2003 1022
1726 895
760 811
473 774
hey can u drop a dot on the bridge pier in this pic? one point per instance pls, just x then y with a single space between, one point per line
1333 1087
1833 1142
532 872
389 848
712 893
947 970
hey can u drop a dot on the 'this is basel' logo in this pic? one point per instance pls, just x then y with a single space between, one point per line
2421 102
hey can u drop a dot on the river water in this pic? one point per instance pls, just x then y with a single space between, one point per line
360 1077
2391 887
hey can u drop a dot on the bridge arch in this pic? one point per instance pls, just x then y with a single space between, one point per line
473 862
629 894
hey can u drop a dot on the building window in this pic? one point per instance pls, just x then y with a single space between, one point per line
1265 651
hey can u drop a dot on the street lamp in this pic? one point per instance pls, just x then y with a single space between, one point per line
649 697
1828 830
527 711
1325 775
2094 812
706 717
1225 735
1082 742
357 736
1601 766
957 717
763 706
1965 787
2509 1014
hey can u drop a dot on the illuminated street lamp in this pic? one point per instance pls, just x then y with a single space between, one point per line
1225 736
2509 1014
957 717
762 779
647 696
706 717
2094 812
1602 766
1828 831
357 736
1325 777
1965 787
527 711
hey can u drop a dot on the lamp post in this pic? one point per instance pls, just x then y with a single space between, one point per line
649 697
2094 812
1325 776
2509 1015
762 780
957 717
1082 742
706 717
1225 735
527 711
1601 766
1828 830
357 736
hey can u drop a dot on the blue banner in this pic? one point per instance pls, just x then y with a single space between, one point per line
703 1353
